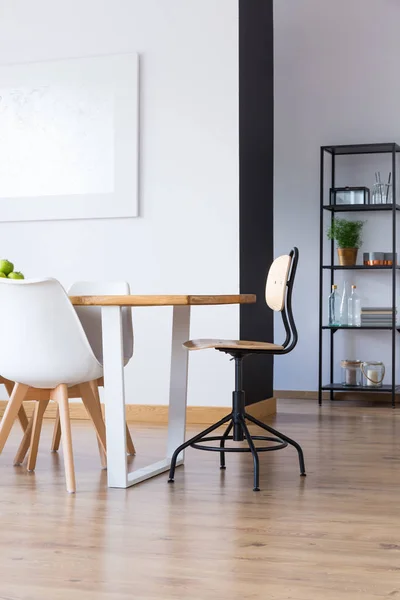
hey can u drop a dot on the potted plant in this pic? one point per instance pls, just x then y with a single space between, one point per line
347 235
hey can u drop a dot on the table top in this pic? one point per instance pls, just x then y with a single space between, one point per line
165 300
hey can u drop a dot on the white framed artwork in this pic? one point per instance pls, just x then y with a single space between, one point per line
69 139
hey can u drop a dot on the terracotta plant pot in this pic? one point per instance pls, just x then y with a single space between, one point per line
347 256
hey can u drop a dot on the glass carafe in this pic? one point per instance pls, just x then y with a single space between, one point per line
354 308
344 307
334 307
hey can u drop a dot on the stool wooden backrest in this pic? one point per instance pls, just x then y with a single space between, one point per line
275 288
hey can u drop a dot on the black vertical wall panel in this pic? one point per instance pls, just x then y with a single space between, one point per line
256 97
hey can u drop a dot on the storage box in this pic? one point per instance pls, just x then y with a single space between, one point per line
349 195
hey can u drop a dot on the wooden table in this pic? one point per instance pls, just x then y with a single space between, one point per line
117 471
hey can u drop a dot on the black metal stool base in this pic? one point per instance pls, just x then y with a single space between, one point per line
237 422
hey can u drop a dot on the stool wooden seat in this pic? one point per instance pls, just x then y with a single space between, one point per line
204 344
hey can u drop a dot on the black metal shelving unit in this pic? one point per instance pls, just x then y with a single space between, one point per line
393 208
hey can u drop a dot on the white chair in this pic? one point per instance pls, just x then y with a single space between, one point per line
43 346
90 317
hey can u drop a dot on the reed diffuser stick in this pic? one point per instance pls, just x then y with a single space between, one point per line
388 187
380 186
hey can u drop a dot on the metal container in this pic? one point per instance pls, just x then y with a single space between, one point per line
373 373
374 258
388 259
351 372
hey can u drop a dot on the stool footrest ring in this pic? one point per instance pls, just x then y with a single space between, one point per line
278 444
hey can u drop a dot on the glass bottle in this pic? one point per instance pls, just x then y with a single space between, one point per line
354 308
334 307
344 308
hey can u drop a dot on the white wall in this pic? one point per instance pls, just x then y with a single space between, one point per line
186 240
336 82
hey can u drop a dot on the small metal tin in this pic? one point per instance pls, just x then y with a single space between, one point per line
374 259
388 259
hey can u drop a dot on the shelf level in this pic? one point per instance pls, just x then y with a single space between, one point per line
362 148
360 207
360 268
339 387
335 328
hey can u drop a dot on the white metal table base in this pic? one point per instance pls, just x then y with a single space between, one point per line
114 390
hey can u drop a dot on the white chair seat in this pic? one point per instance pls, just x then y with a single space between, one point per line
204 344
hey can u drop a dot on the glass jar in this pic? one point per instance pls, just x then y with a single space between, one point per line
351 372
381 193
378 195
373 373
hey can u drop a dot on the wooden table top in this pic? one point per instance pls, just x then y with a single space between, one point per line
166 300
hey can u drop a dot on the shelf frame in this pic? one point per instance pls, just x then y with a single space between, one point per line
391 148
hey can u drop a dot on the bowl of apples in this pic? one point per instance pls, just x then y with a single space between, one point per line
7 270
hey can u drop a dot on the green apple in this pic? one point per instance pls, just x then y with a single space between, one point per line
15 275
6 266
3 274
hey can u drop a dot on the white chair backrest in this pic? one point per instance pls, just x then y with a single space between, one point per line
275 289
42 342
90 316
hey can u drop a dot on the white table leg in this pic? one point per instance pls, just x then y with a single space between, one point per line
114 390
118 475
178 381
177 397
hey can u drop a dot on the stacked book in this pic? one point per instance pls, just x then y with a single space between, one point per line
377 316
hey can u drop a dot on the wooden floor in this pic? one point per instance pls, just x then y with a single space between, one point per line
334 535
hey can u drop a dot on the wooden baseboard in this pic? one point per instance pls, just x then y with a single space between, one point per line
298 394
145 413
158 414
263 409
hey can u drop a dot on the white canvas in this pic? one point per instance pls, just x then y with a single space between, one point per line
69 139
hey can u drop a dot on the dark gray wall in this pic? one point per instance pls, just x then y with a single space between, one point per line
256 97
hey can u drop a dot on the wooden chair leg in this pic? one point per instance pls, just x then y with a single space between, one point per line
93 408
57 438
130 448
18 394
60 394
55 444
22 416
24 445
40 408
103 457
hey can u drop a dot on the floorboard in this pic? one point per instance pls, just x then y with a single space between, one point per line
331 536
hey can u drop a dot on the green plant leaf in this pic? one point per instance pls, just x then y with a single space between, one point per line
347 234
